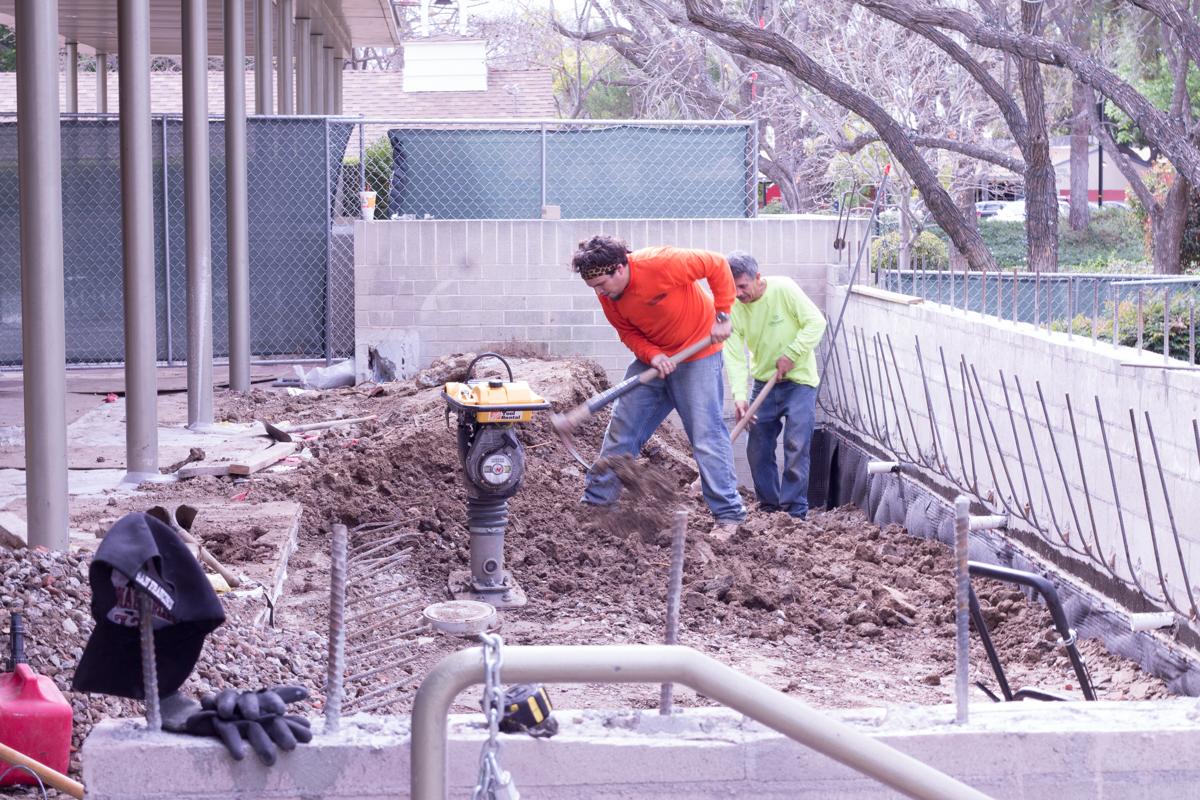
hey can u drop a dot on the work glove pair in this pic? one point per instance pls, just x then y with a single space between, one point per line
235 718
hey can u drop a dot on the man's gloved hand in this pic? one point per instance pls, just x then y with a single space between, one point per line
237 717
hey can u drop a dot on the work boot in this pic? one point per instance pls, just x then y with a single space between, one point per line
723 530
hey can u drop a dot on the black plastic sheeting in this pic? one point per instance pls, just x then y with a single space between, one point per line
289 202
839 476
623 172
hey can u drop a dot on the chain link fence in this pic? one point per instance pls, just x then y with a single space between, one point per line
1152 313
304 179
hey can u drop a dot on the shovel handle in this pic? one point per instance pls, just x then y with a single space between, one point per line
645 376
51 777
744 422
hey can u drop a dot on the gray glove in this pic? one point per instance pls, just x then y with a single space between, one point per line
239 717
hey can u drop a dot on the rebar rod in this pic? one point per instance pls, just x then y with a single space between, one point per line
377 670
403 605
904 398
380 652
1058 459
397 588
385 543
938 450
149 667
1087 493
968 396
1117 499
975 404
953 416
354 702
869 393
962 591
885 374
366 646
674 589
1162 579
1032 517
1162 478
336 664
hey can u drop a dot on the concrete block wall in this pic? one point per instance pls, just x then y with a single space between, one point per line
1018 751
1069 489
444 286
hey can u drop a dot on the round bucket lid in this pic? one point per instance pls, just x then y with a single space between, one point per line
462 617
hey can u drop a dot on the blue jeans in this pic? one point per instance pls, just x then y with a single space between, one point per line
796 404
696 390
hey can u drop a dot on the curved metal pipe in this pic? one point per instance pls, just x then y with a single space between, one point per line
660 664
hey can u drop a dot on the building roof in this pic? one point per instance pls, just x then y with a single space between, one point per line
524 94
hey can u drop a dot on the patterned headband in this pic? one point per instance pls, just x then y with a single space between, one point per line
596 270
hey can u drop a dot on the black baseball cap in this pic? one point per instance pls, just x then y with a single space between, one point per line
142 554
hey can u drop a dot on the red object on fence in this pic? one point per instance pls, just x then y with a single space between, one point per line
35 719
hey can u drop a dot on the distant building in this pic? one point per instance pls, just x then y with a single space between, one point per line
1115 186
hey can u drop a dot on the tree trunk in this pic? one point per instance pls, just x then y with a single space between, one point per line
966 204
1041 196
1081 98
1167 227
786 182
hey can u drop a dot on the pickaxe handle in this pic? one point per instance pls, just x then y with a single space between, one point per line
51 777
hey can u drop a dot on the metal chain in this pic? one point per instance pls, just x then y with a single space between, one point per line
493 782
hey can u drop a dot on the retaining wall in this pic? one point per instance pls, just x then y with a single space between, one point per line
1069 751
425 288
1071 493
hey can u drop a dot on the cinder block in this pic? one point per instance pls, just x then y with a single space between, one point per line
525 317
427 241
560 317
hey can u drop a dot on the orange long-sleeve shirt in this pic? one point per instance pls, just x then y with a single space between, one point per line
663 310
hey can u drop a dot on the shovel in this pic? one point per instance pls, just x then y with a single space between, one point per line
566 424
285 434
744 422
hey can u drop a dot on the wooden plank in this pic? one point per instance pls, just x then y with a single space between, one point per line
203 468
886 296
263 459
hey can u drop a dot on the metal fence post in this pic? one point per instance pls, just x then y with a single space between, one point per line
166 223
362 158
542 211
328 254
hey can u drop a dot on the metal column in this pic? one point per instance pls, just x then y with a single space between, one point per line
327 71
102 83
339 67
263 23
71 84
287 40
303 65
237 247
197 226
137 241
43 318
316 82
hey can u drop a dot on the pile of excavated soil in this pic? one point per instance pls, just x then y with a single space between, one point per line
833 609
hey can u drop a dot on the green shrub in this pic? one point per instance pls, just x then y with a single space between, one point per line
378 178
1178 325
928 251
1113 242
773 207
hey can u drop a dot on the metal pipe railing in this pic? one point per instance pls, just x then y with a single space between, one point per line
659 664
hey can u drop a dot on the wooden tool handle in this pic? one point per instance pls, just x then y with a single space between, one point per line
744 422
650 374
49 776
332 423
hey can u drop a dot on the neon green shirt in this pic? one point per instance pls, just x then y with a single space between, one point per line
783 322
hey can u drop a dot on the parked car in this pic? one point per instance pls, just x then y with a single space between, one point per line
986 209
1011 211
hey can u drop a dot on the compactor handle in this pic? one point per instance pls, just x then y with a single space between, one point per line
481 356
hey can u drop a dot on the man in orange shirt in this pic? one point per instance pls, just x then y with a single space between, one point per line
651 297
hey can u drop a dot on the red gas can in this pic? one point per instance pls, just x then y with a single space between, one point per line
35 718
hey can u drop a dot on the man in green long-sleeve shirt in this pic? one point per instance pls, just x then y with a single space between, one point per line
780 326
